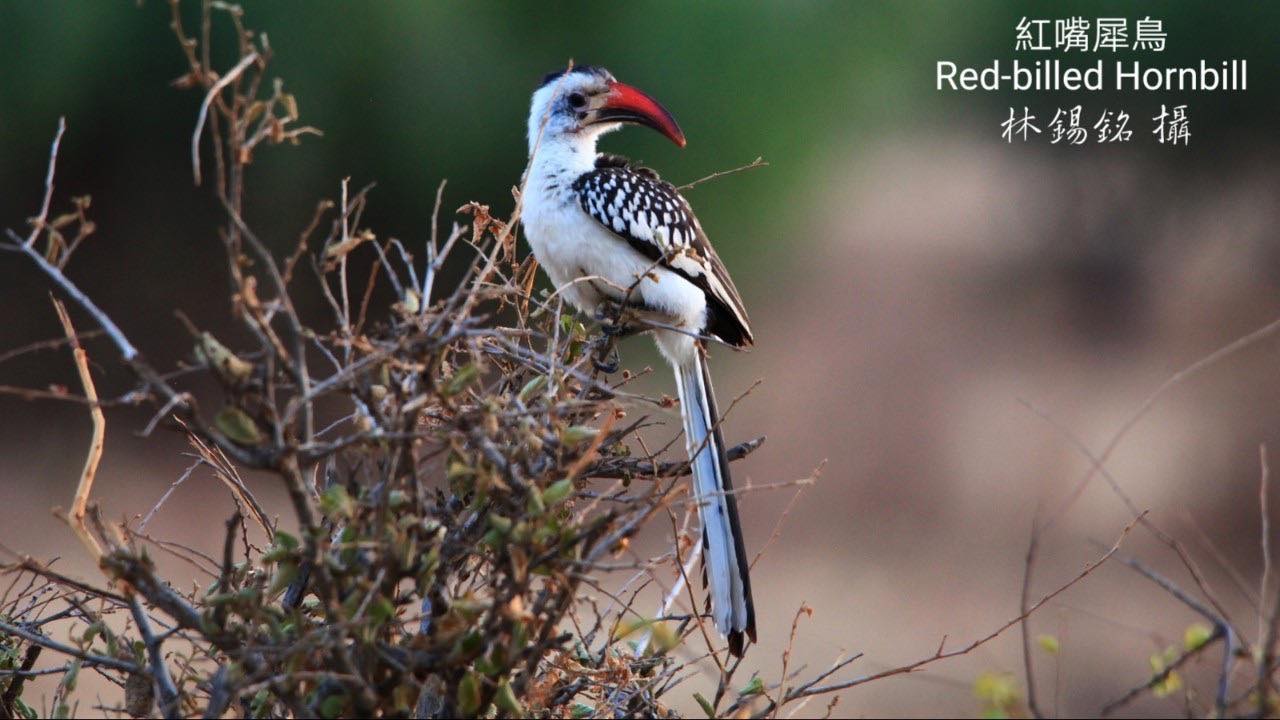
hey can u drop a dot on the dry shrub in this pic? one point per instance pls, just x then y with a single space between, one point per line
461 477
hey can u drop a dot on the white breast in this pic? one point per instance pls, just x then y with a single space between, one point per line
585 261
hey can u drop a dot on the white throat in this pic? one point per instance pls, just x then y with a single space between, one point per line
557 159
561 153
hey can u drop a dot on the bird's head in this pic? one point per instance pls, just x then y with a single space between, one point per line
587 101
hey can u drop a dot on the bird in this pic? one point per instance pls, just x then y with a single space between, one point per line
619 242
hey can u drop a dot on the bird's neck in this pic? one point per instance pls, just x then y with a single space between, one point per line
563 154
557 161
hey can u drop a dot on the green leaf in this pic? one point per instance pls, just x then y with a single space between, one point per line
1049 644
464 376
282 546
397 499
579 711
336 502
505 699
261 701
1171 684
72 676
534 504
285 540
457 470
500 523
519 636
531 388
706 706
997 690
467 647
25 710
239 427
1195 636
286 573
664 638
556 492
755 687
575 434
381 610
469 694
485 666
332 706
492 538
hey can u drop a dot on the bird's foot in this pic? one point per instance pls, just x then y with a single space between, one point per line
613 318
605 356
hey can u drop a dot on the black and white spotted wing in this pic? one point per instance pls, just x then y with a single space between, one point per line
648 213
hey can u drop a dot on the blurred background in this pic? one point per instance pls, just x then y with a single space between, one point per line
920 289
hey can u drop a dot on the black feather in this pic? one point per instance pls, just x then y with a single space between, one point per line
585 69
644 193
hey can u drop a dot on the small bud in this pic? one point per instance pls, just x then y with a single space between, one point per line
411 302
575 434
229 367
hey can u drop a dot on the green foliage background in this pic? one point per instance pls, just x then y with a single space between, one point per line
412 93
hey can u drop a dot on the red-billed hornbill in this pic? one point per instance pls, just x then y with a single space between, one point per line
614 238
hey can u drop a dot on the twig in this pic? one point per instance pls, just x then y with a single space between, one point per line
429 270
159 672
758 162
1032 705
1266 630
80 502
20 675
669 599
67 650
777 527
44 345
173 486
127 350
1220 624
1207 361
218 87
623 468
1268 636
812 689
786 653
38 222
1158 678
1096 465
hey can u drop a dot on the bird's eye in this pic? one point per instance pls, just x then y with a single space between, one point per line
576 100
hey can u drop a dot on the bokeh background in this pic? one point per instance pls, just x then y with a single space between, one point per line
915 283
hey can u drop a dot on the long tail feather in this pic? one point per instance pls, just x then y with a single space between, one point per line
726 556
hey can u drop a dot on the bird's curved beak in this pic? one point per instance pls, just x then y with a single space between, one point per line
624 103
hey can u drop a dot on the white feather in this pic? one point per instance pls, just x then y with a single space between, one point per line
728 603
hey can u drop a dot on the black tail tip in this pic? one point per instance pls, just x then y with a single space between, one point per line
737 643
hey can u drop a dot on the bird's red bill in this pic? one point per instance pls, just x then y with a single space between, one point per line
625 102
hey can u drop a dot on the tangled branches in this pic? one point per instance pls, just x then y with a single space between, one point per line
437 457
